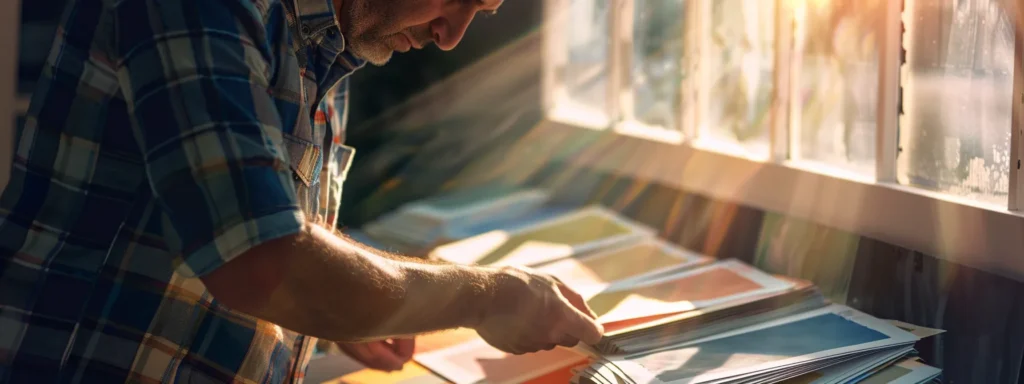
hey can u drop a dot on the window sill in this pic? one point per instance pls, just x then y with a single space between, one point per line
649 132
962 231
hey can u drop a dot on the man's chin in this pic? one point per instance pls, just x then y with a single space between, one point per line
380 62
378 59
378 56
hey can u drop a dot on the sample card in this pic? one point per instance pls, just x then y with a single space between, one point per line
852 368
472 203
693 289
624 264
477 362
829 332
916 330
422 223
460 229
558 238
910 371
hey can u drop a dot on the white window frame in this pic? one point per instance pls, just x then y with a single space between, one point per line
960 230
10 103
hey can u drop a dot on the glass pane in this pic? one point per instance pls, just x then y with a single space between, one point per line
955 135
740 73
657 51
585 75
837 53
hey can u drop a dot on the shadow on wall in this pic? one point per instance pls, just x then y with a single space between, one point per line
426 117
375 90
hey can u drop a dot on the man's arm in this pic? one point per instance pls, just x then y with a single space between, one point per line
195 76
321 285
326 286
427 258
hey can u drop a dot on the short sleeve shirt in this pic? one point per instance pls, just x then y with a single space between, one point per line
163 139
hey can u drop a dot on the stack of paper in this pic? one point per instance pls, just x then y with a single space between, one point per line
422 224
677 317
879 368
570 234
906 371
669 315
462 357
659 285
771 352
642 334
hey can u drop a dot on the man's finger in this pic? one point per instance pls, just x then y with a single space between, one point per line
568 341
385 356
360 353
576 300
404 348
583 327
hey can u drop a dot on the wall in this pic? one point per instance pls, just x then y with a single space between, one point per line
381 96
377 89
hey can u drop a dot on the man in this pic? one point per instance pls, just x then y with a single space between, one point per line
170 212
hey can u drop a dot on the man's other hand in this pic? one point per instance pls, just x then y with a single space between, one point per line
388 356
533 311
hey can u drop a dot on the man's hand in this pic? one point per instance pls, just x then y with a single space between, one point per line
385 356
533 312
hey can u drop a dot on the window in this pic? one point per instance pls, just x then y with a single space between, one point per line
582 78
707 69
836 82
958 86
654 95
739 74
864 115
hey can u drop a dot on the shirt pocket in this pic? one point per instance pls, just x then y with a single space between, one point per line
305 159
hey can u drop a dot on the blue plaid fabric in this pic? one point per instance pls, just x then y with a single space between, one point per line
164 138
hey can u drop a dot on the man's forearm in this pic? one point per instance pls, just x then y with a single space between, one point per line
387 254
326 286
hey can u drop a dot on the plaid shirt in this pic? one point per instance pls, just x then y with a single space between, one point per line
165 138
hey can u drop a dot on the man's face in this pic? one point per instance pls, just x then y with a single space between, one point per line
374 29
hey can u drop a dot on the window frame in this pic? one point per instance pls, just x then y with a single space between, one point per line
968 232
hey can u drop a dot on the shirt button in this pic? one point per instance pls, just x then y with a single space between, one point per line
330 33
305 29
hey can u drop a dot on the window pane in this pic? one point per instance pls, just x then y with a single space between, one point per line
955 135
657 51
585 75
837 54
740 73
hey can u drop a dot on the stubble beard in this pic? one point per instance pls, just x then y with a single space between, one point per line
364 37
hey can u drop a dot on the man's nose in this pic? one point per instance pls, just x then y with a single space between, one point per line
448 31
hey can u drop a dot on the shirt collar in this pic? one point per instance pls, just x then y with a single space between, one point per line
318 23
315 16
